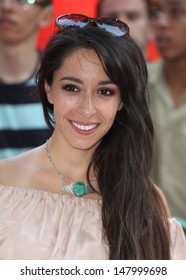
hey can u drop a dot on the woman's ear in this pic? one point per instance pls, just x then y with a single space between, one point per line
49 93
120 106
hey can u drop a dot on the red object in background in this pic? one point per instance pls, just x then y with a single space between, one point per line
152 53
87 7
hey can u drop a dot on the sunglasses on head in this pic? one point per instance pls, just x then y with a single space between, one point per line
112 25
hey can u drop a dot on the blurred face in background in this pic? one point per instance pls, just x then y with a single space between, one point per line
20 20
169 25
134 13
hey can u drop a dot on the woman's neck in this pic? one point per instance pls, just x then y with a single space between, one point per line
72 163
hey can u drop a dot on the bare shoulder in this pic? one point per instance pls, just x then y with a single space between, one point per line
17 170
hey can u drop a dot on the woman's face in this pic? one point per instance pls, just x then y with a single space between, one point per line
85 100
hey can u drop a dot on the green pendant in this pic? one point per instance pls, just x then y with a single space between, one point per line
79 188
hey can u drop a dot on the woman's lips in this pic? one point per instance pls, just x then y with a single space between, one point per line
84 127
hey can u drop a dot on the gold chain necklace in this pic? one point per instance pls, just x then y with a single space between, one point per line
78 188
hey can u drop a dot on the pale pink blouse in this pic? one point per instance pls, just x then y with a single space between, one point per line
42 225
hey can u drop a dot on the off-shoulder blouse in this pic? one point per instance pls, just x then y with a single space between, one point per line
36 224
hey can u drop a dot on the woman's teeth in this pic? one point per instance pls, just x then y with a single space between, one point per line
84 127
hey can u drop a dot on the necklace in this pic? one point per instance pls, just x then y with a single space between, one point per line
78 188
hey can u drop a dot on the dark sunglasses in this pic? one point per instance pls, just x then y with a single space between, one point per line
112 25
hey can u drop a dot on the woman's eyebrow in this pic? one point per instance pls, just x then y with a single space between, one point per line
73 79
77 80
108 82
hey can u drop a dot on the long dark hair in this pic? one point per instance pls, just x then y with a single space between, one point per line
134 218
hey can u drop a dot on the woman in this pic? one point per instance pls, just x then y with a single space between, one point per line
86 193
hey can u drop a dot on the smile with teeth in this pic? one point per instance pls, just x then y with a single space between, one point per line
84 127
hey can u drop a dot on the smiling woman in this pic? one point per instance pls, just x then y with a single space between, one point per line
84 104
87 192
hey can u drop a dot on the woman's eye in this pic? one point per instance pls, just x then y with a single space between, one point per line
106 92
70 88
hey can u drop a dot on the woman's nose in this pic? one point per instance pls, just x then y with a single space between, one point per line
88 106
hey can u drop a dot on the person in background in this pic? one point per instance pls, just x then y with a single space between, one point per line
87 192
136 13
22 125
167 88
